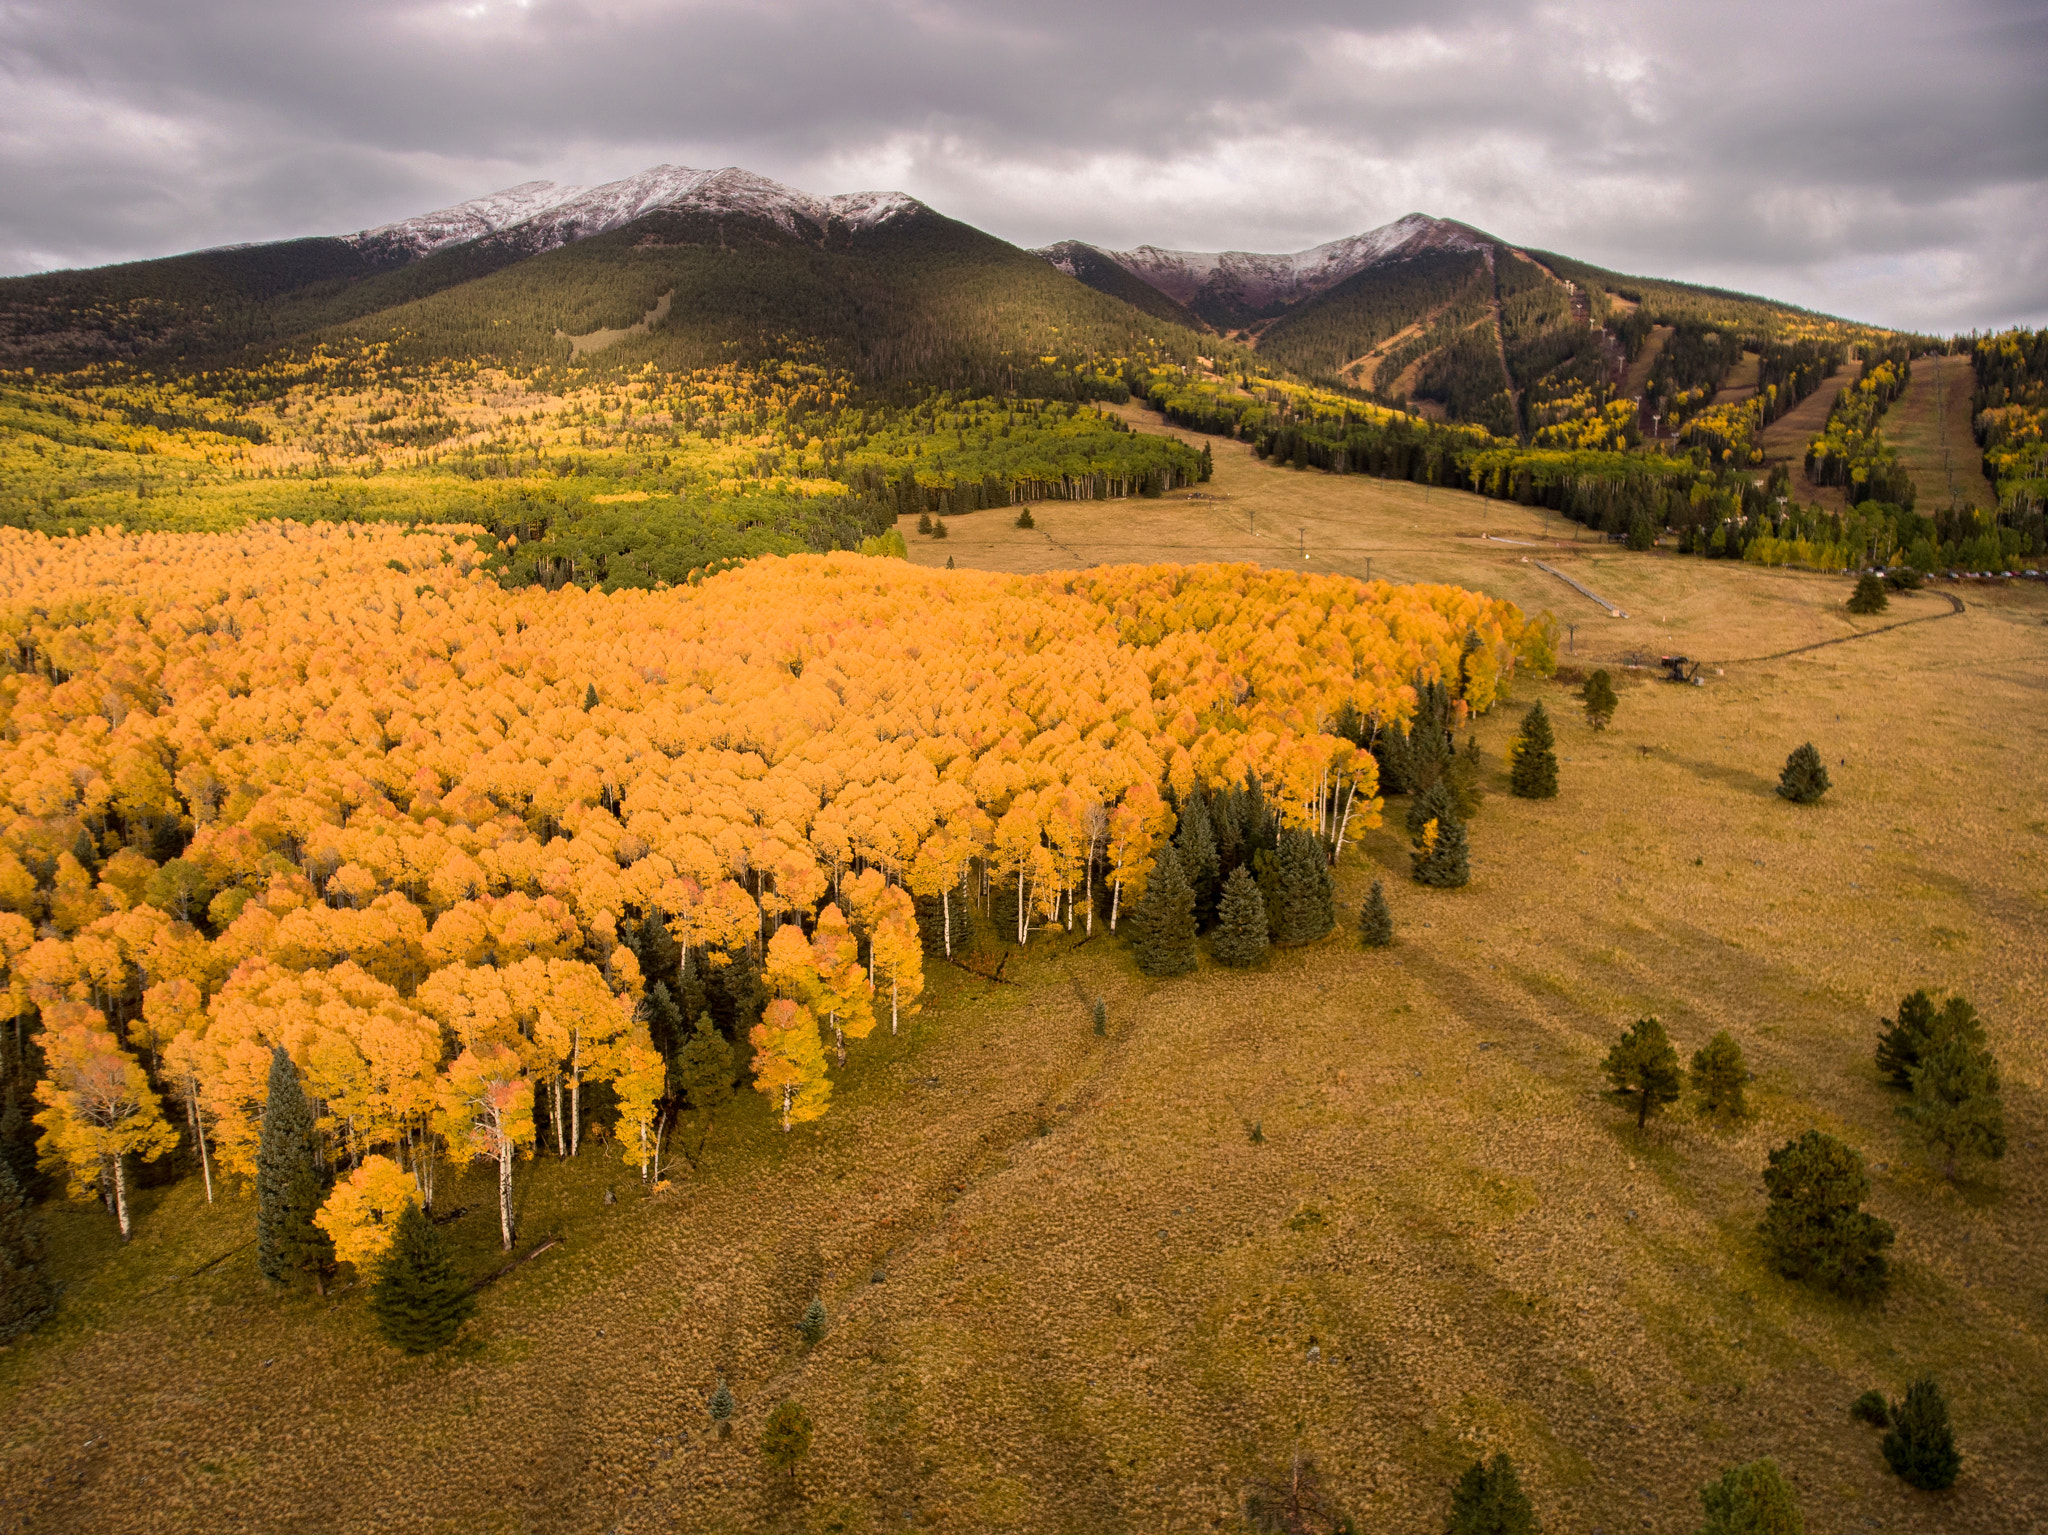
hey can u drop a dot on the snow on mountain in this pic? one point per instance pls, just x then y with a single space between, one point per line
1261 279
540 215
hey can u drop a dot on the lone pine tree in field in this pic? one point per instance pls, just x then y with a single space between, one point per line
721 1408
1163 922
1718 1072
1534 775
1101 1011
420 1302
1815 1227
1305 907
25 1297
786 1438
814 1322
1240 922
1375 921
1921 1446
1755 1499
1489 1500
288 1185
1957 1107
1869 596
1599 700
1644 1064
1805 778
1917 1029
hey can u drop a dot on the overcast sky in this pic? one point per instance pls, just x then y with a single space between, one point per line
1883 160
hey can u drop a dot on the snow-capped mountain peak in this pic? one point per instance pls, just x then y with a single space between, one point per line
540 215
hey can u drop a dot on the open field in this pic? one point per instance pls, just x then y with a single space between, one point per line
1930 426
1069 1293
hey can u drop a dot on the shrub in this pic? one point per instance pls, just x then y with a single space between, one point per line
1599 700
1814 1227
1718 1073
1489 1500
1644 1064
1375 921
420 1302
1534 775
1240 922
1872 1408
1805 779
1921 1447
1751 1500
1869 596
786 1438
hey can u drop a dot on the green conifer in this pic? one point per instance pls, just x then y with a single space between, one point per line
1872 1408
1921 1447
1435 803
1534 775
1462 775
1240 922
786 1438
419 1301
1869 596
814 1322
1644 1064
1489 1500
1957 1106
721 1408
703 1074
1163 922
1306 904
1814 1227
924 526
1441 857
1375 921
1101 1019
589 696
289 1188
1599 700
1805 779
25 1297
1718 1072
1195 841
1755 1499
1919 1027
1024 519
939 530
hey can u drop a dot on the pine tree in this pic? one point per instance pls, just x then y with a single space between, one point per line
1101 1019
722 1408
589 696
1921 1447
1306 908
1805 779
288 1183
703 1074
1534 775
786 1438
949 558
1917 1029
1441 856
1869 596
1435 803
1489 1500
1643 1063
924 523
1461 776
939 531
1718 1072
1375 921
1195 841
1024 519
813 1325
1814 1227
1957 1105
419 1301
1599 700
17 1137
1755 1499
1163 922
1240 923
25 1298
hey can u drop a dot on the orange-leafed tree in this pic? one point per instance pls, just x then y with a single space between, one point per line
98 1109
486 1110
789 1061
361 1212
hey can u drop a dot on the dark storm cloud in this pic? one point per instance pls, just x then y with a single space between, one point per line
1883 159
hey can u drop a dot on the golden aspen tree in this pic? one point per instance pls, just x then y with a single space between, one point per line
789 1061
845 994
485 1109
898 952
361 1213
98 1109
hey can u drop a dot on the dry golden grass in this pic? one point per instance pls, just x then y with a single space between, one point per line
1100 1295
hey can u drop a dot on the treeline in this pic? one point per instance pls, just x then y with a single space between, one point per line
2009 415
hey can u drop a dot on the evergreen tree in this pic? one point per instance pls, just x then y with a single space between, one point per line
419 1301
1921 1447
1435 803
1489 1500
1917 1029
589 696
939 531
1805 779
25 1298
1755 1499
1441 856
1718 1072
1195 841
664 1017
1814 1227
1241 922
1163 921
813 1325
1534 775
924 526
1957 1106
1375 921
288 1184
1462 778
703 1075
1643 1063
1869 596
721 1408
1024 519
1599 700
1101 1019
786 1438
1872 1408
17 1136
1306 908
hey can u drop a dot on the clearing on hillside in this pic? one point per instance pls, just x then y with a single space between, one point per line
1930 426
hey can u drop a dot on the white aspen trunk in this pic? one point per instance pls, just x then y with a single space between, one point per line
839 1039
788 1093
205 1162
561 1141
121 1194
576 1096
1116 901
1088 887
1344 822
946 907
1023 921
892 1006
505 1189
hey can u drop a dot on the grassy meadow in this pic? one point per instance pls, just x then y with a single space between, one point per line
1069 1292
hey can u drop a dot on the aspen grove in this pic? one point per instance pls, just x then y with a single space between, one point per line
333 788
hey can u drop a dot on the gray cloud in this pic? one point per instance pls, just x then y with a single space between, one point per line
1884 159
